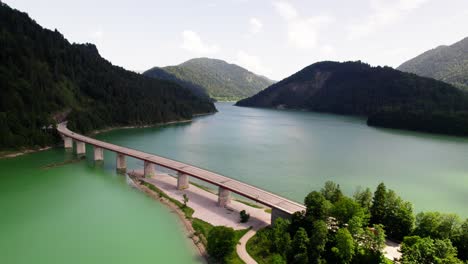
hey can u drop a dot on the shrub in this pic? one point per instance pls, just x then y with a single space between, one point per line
244 216
221 242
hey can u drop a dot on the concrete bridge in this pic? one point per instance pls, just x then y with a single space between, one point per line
281 207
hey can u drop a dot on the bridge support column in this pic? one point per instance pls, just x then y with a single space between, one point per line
67 142
182 181
80 148
121 163
224 197
98 154
149 169
276 213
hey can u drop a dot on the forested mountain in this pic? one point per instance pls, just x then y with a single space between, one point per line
390 98
160 73
217 78
445 63
43 76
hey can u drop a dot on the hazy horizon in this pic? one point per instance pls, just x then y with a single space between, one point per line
270 38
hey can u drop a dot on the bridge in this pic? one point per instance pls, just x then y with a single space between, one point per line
281 207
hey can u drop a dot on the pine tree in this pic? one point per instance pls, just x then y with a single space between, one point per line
379 204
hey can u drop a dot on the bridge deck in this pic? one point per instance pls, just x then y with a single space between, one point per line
249 191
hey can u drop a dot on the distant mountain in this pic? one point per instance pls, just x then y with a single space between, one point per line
160 73
445 63
215 78
44 78
389 98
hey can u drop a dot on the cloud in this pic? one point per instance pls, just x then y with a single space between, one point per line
328 50
303 32
286 10
384 13
193 43
255 25
98 34
252 63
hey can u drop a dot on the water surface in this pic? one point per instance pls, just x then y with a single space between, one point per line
83 213
292 153
79 213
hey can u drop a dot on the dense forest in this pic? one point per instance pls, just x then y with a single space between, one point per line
390 98
340 229
219 79
44 79
445 63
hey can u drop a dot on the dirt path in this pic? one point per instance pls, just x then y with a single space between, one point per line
242 250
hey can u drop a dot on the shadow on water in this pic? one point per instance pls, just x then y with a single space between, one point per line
420 135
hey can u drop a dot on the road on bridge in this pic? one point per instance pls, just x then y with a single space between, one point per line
254 193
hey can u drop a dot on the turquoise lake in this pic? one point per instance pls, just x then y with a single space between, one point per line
86 213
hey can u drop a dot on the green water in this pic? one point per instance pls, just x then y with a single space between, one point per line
292 153
79 213
82 213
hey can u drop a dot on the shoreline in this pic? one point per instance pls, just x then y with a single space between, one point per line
23 152
107 129
17 153
187 227
203 202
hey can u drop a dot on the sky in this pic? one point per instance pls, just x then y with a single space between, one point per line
275 38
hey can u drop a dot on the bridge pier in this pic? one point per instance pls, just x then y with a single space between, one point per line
98 154
68 142
182 181
276 213
121 163
224 197
80 148
149 169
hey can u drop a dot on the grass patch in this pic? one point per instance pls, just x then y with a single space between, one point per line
249 204
202 229
258 247
268 210
187 210
203 187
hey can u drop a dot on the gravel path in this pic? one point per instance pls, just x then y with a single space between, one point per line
242 250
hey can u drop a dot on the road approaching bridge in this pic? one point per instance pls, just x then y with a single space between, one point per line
281 207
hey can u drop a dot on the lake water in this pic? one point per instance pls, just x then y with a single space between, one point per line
292 153
82 213
79 213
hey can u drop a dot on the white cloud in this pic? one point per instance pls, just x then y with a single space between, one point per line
384 13
286 10
328 50
255 25
98 34
252 63
193 43
303 32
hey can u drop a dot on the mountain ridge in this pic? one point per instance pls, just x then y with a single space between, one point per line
217 78
448 63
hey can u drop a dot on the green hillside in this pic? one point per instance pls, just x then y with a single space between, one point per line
219 79
445 63
390 98
44 78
